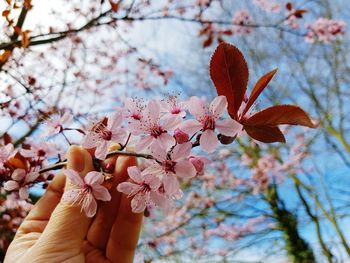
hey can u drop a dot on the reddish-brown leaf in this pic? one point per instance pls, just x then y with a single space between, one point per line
7 138
299 13
265 133
5 13
114 6
259 87
289 6
281 114
229 72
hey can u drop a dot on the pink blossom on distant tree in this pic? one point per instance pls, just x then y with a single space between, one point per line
20 181
325 30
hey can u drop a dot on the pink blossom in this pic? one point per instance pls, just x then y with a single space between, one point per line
6 152
180 136
207 120
21 180
146 189
133 112
268 5
55 125
86 191
39 150
172 164
102 135
325 30
155 129
241 20
171 106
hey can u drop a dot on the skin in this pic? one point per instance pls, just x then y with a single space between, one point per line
55 231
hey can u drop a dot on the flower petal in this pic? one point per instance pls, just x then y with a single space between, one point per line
72 196
90 205
181 151
229 127
23 193
218 106
209 141
197 108
139 203
128 188
171 184
144 143
135 174
18 174
165 140
74 177
101 150
115 121
101 193
94 178
191 126
11 185
185 169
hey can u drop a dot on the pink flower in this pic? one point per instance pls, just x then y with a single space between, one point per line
155 129
6 152
133 112
207 120
86 191
55 125
172 164
21 180
146 190
39 150
325 30
199 162
102 135
180 136
171 106
268 5
241 19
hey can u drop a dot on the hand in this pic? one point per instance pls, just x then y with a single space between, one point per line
55 231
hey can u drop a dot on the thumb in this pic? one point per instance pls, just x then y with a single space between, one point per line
68 226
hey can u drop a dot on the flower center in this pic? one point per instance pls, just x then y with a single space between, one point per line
169 166
145 188
208 123
87 189
175 110
106 135
136 116
156 131
41 153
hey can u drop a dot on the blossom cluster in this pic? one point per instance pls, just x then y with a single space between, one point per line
161 131
325 30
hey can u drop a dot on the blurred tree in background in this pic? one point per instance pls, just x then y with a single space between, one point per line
255 202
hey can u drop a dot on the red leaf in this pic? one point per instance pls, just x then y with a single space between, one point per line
299 13
259 87
289 6
280 114
265 134
229 72
114 6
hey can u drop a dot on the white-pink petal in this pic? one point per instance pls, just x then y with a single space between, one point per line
23 193
197 107
218 106
89 205
74 177
185 169
171 184
101 150
208 141
101 193
11 185
181 151
94 178
128 188
229 127
135 174
18 174
191 126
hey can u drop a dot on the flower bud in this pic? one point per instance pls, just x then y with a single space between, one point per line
180 136
198 163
